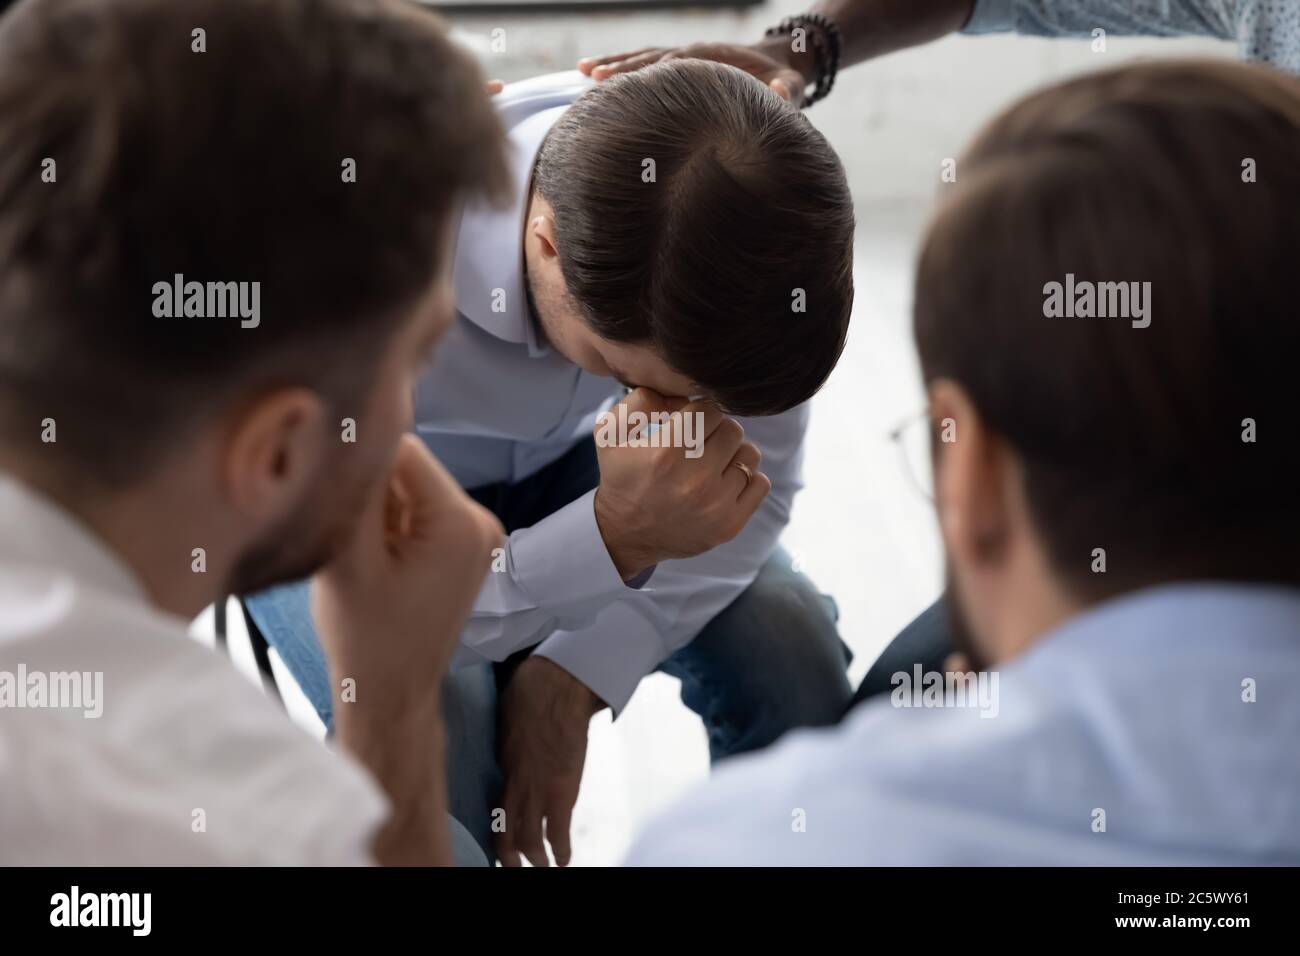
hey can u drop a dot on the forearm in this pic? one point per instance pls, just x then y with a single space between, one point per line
554 575
399 738
871 28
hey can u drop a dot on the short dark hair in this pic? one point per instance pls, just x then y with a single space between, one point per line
222 165
748 205
1181 174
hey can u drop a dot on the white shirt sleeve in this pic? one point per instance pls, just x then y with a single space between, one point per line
554 575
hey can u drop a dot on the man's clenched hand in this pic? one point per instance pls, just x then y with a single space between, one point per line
658 503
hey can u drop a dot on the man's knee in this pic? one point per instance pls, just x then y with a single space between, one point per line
769 662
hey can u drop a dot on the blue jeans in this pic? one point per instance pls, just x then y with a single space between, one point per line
927 641
769 662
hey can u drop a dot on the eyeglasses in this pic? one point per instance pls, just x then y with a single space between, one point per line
916 446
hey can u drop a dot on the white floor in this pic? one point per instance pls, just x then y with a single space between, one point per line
860 528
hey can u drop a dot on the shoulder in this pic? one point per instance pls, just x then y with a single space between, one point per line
523 98
889 786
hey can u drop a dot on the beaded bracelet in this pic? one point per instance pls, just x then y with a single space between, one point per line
824 40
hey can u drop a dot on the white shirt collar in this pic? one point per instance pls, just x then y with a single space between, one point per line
489 245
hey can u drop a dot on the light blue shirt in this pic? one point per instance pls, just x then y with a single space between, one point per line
498 404
1267 30
1170 717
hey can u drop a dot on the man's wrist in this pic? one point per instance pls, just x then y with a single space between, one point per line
629 561
371 705
574 697
781 49
816 38
586 701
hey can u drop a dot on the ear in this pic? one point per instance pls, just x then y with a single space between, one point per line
541 226
972 469
274 448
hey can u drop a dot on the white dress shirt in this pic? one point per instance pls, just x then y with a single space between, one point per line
185 763
1138 709
497 405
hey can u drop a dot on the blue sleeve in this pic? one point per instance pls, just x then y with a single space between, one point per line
1058 18
1267 30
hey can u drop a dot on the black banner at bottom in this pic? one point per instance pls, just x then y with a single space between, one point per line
240 906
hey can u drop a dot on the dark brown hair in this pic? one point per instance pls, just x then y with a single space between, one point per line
747 205
223 165
1182 174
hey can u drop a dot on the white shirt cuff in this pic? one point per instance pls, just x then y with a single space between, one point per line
612 656
562 559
